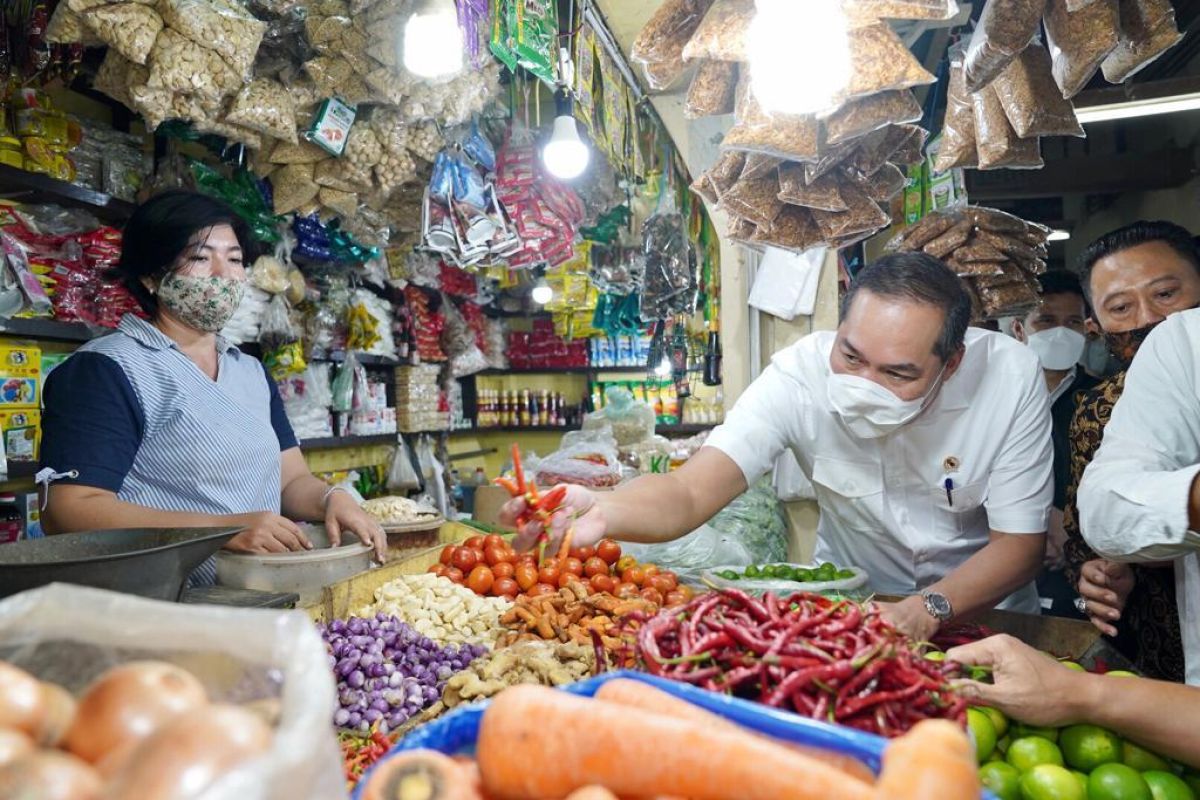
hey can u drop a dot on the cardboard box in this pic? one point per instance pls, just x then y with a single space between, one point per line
22 432
20 376
488 502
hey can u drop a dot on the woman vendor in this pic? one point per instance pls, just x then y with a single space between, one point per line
165 424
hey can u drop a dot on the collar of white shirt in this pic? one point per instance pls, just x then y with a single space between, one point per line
1063 385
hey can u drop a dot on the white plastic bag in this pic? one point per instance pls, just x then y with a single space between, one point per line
585 458
401 476
70 634
434 474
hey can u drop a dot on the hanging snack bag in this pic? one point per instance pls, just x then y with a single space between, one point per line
958 130
67 26
1148 30
499 40
221 25
128 28
996 142
713 90
881 63
535 37
293 187
758 165
1031 99
824 193
862 215
868 11
860 117
264 105
1006 27
659 45
1079 41
794 229
722 34
792 137
756 200
886 183
184 67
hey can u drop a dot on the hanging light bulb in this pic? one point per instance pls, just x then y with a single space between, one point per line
433 45
542 293
799 55
566 156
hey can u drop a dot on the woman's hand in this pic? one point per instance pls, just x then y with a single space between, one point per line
267 533
1026 684
579 510
1105 586
343 514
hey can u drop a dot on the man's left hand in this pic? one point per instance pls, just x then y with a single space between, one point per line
910 617
343 514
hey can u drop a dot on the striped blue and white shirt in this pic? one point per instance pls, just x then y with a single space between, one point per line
135 416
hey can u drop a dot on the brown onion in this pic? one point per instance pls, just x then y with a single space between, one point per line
48 775
189 753
13 745
128 703
41 710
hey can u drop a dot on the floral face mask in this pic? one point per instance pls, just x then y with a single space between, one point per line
204 303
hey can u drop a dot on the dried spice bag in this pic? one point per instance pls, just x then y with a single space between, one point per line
704 187
1006 301
975 269
182 66
758 165
659 45
946 243
1148 30
1006 27
867 11
861 216
880 62
886 183
824 193
756 200
1079 41
994 220
793 229
722 34
909 144
791 137
996 142
727 170
713 90
741 231
860 117
979 251
220 25
1031 99
129 28
264 105
958 130
924 231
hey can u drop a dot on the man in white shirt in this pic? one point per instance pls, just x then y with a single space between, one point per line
1140 499
928 445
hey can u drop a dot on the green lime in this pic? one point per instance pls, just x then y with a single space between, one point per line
1167 786
1086 747
1082 778
1072 665
828 565
1142 759
999 721
730 575
845 574
1050 782
804 575
753 571
1002 779
1122 673
1117 782
983 732
1021 730
1026 753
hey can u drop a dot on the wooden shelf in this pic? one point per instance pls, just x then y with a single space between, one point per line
50 329
331 442
31 187
518 429
561 371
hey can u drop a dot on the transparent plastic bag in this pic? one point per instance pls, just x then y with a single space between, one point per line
401 475
1079 41
128 28
264 105
1032 101
860 117
722 34
1148 30
712 91
586 458
629 421
794 137
882 63
958 130
1006 27
996 142
342 389
223 26
69 635
861 215
823 193
869 11
668 31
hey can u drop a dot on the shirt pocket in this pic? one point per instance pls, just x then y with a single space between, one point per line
953 517
849 492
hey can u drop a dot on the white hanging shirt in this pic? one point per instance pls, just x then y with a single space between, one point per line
1133 500
883 501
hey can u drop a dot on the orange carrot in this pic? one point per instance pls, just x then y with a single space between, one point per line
592 793
564 549
537 743
934 759
424 774
644 696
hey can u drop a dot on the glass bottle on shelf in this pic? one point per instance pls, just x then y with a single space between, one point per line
524 409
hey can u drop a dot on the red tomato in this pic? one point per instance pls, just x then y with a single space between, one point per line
527 558
505 587
650 569
652 596
634 575
493 540
480 580
573 566
494 556
686 591
583 553
603 583
438 569
674 599
625 562
549 572
541 589
504 570
659 583
609 550
566 579
595 566
465 559
474 542
455 574
447 554
671 577
625 591
526 576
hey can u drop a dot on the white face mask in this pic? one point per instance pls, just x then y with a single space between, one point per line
1057 348
871 411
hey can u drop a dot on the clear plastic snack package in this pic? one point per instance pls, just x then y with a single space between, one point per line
180 65
862 215
881 63
1006 27
860 117
1031 99
793 137
868 11
659 45
756 200
1148 30
224 26
264 105
958 130
128 28
824 193
1079 41
713 89
996 142
722 34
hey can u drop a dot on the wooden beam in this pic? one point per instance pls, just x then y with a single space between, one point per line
1134 172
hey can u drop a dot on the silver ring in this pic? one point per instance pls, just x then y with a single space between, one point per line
1081 605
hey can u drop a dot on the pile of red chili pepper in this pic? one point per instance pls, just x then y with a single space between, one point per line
834 660
360 752
538 507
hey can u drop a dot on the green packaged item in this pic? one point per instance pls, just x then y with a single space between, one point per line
535 37
500 42
244 195
331 126
914 194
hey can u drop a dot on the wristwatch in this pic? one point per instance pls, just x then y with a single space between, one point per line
938 606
